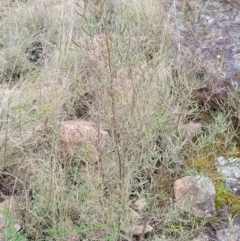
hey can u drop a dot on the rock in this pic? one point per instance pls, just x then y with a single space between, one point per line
139 229
191 129
222 232
230 232
134 216
202 237
195 194
76 134
224 212
206 36
140 204
230 169
208 234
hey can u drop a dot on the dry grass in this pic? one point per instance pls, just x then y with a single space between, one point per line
119 53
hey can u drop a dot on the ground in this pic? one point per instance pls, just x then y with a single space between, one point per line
111 63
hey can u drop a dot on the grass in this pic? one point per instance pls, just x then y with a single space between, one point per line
121 54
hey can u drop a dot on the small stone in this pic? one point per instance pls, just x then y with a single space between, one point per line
223 213
195 194
17 226
139 229
134 216
191 129
140 204
76 134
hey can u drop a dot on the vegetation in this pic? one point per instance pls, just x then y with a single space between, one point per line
116 56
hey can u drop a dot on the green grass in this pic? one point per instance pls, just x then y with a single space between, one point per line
120 53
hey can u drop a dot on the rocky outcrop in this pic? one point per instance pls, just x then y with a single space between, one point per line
206 36
229 168
195 194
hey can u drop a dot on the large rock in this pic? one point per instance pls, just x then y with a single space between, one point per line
229 168
195 194
76 134
206 35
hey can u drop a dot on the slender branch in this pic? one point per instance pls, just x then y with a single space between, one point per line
113 107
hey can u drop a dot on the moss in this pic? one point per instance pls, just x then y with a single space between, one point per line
205 163
225 197
165 189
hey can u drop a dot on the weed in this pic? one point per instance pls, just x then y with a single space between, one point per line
11 232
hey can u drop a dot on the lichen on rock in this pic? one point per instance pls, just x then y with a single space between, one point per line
195 194
206 36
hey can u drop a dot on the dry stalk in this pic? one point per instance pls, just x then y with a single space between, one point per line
114 126
113 108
